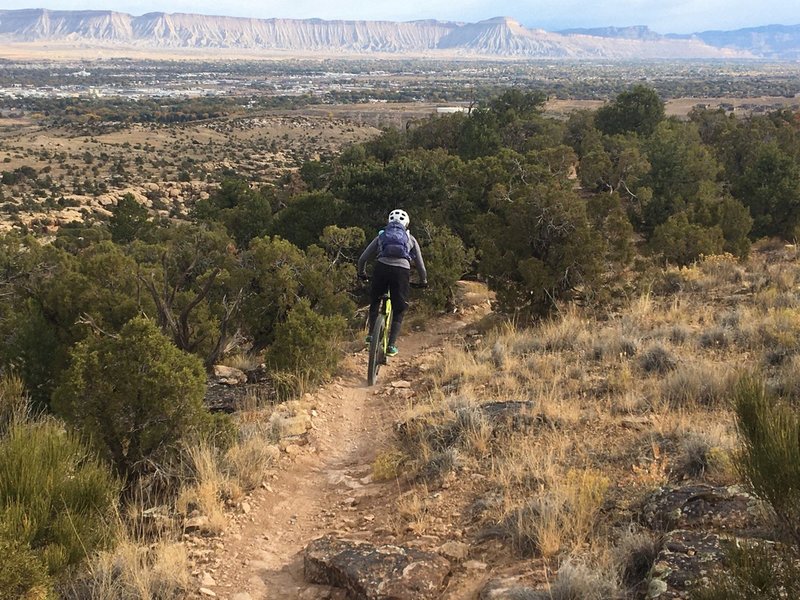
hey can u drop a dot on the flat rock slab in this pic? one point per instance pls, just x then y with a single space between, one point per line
701 507
370 572
687 561
510 588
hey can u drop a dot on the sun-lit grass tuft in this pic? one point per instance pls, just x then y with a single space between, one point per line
208 488
133 571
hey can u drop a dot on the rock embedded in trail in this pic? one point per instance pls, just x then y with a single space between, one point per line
370 572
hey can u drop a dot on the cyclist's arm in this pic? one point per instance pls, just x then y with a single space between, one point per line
369 251
418 262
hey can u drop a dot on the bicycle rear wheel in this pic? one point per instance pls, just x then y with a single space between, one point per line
376 349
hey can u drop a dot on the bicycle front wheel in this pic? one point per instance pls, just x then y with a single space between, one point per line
376 349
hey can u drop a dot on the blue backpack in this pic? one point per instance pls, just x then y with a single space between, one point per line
393 241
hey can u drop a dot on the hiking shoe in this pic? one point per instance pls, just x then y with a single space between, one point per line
391 351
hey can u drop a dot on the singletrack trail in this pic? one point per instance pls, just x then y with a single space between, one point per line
327 486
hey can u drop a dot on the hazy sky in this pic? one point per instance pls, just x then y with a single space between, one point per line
671 16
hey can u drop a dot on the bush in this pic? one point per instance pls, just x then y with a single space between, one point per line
305 344
22 574
446 261
635 555
770 455
657 359
136 395
692 385
755 571
159 571
577 581
681 241
56 498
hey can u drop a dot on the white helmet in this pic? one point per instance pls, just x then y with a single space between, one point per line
399 215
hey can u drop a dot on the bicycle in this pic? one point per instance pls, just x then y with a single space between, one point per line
379 340
379 336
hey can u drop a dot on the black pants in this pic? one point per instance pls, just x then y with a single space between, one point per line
396 281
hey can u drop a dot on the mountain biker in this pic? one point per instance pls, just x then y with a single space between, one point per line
395 248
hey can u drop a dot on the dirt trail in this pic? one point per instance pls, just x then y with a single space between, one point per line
328 486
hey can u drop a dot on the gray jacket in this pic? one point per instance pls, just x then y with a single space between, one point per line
413 251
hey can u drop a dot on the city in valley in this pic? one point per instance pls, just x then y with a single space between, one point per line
163 130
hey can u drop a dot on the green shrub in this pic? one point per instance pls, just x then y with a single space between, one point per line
22 574
305 344
446 261
682 241
770 455
129 220
56 499
755 571
136 395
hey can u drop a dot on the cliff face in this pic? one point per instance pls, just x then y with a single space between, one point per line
493 37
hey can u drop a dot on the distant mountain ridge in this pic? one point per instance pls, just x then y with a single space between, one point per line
500 36
769 41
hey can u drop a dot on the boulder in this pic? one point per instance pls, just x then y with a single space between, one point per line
229 375
198 523
288 426
687 561
370 572
454 550
701 506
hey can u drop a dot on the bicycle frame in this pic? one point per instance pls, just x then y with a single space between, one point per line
386 309
379 344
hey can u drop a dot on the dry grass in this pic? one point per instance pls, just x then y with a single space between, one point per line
700 384
13 401
578 580
569 332
388 465
788 380
248 461
657 359
209 488
547 507
634 556
243 361
133 571
461 367
639 398
559 518
413 512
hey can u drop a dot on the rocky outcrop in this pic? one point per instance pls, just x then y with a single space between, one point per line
701 507
227 387
687 561
370 572
698 520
